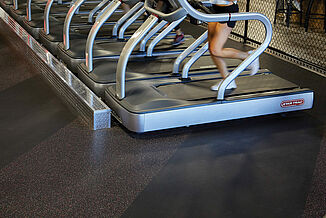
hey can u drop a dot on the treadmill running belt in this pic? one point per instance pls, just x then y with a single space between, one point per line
104 48
104 71
198 90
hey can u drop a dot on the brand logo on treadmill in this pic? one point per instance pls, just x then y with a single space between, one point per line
290 103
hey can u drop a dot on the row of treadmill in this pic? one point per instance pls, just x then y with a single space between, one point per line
128 59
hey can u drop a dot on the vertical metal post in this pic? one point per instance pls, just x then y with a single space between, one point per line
95 10
126 52
188 51
245 34
66 25
100 20
29 10
47 9
15 4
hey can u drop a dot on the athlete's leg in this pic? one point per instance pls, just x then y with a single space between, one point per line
217 36
214 45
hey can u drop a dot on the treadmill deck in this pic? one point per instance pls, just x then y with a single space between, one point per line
177 93
170 103
104 71
104 48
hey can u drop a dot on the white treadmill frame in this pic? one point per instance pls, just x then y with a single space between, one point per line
209 113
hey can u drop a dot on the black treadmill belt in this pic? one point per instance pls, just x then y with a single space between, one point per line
116 48
57 21
21 11
77 32
167 44
197 90
104 71
104 48
106 30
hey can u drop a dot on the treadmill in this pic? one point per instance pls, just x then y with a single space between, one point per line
52 37
33 26
18 9
68 50
99 74
154 104
6 4
74 54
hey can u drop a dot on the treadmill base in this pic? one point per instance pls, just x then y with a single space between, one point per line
208 113
31 30
51 46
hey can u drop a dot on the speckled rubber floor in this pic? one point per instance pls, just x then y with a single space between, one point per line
52 165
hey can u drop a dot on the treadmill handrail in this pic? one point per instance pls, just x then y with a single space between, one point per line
125 17
47 9
136 37
15 2
126 52
94 30
162 34
29 10
95 10
233 17
66 25
103 10
123 60
193 59
140 12
175 15
188 51
151 33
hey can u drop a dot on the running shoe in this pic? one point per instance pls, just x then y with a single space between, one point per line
179 39
254 66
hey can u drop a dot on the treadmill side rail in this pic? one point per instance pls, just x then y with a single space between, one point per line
95 10
47 9
29 10
158 27
215 112
163 34
189 50
125 17
193 59
66 25
107 12
126 52
131 20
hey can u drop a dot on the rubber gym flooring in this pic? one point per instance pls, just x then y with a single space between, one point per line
51 164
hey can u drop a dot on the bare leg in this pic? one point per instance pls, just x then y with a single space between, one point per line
217 36
219 62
